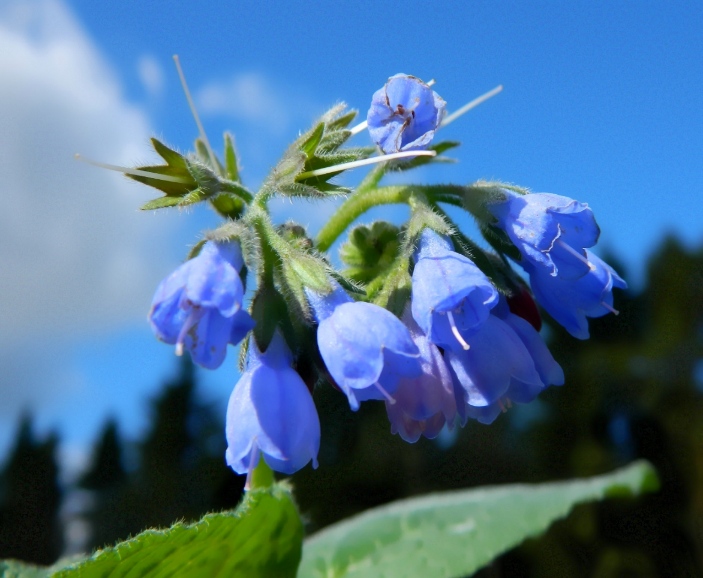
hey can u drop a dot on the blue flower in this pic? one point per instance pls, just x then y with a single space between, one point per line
450 295
571 301
404 114
366 348
550 231
423 405
500 364
198 306
272 412
496 367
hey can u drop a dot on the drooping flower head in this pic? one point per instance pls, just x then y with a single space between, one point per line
424 404
571 301
450 295
198 306
404 114
366 348
550 231
271 412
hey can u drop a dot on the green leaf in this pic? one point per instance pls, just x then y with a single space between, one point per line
261 538
456 533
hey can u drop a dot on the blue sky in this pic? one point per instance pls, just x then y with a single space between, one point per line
601 103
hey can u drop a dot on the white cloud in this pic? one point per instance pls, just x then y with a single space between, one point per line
253 98
151 74
73 254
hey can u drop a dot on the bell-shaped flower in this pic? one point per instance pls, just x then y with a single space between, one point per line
571 301
271 412
550 372
366 348
496 367
423 405
451 296
199 306
404 114
519 391
550 231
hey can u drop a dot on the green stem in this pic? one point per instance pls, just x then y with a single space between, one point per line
260 221
354 207
262 476
365 199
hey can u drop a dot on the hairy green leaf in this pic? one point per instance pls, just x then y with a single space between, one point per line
261 538
456 533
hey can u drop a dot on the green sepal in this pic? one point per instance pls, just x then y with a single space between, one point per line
231 163
296 235
201 182
480 195
248 240
210 186
176 166
160 203
228 205
439 148
317 148
310 144
204 156
394 294
195 249
342 121
370 250
269 310
321 191
311 271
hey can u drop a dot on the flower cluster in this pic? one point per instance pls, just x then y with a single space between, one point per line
553 234
465 343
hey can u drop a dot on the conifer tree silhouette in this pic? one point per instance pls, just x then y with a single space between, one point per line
30 498
181 472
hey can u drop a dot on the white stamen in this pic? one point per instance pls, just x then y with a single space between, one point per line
364 162
194 316
501 406
128 171
358 128
362 125
473 104
610 308
456 333
387 395
194 112
575 253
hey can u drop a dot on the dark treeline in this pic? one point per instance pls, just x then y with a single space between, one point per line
634 390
